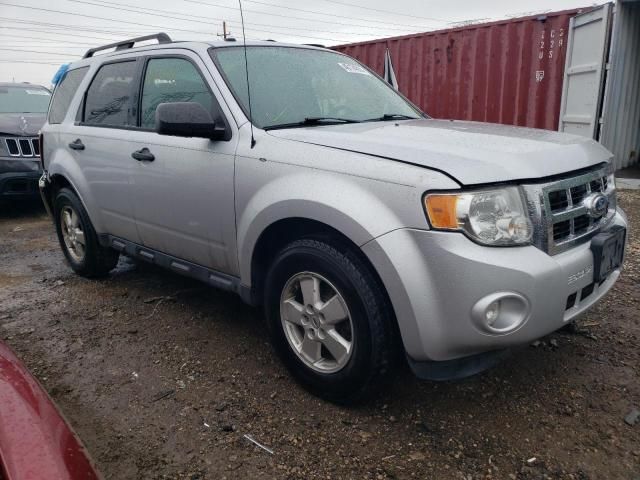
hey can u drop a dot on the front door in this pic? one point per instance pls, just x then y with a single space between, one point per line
183 201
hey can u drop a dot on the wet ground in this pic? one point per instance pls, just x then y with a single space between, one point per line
163 377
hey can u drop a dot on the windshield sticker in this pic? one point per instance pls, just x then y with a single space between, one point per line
37 92
353 68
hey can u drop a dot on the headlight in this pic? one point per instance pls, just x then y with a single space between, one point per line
491 217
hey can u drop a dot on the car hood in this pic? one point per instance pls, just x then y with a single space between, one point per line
27 124
471 152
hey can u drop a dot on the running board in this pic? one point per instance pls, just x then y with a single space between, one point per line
214 278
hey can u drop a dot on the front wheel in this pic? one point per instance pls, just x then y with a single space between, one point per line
78 239
329 318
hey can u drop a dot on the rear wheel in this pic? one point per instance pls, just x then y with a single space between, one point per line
78 239
329 318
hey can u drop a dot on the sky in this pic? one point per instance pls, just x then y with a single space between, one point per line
36 36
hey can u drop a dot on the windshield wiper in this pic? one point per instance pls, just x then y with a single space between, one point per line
313 120
391 116
310 121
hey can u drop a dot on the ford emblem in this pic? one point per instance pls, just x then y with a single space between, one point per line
597 205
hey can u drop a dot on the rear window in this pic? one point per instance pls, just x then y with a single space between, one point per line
64 93
24 99
109 98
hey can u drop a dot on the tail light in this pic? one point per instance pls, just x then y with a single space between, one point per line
41 145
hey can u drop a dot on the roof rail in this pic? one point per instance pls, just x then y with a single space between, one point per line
125 44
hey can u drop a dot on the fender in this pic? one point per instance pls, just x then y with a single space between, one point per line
361 214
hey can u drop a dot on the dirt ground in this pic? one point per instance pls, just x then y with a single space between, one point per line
162 377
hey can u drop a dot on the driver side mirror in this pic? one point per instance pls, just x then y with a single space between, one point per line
187 119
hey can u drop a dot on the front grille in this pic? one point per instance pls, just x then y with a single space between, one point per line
560 209
597 185
561 230
581 224
25 147
558 200
12 147
22 146
578 193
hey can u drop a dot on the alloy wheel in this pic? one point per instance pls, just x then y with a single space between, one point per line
317 322
72 233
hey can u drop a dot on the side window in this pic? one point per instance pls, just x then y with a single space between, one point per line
109 98
172 80
64 93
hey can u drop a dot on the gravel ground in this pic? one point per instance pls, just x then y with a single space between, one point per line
162 377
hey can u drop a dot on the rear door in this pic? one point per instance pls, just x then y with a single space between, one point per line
585 69
99 142
184 203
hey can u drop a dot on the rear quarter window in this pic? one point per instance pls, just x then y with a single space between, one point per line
64 93
109 98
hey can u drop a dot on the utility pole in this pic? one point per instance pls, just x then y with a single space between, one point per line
224 33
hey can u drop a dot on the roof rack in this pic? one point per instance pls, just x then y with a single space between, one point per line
125 44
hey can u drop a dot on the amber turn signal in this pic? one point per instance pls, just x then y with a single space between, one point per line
441 209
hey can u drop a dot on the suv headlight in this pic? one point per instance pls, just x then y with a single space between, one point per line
491 217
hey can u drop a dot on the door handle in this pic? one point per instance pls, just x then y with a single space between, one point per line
76 144
143 155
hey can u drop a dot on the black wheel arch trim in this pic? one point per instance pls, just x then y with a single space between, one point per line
457 368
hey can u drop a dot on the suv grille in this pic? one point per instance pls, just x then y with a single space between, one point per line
22 146
560 212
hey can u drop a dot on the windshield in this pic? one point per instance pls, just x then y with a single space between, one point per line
291 85
25 99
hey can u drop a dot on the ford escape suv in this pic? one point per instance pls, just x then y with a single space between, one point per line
23 111
311 188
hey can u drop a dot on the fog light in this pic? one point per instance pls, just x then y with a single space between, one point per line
500 313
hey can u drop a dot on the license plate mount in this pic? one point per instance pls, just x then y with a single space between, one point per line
608 250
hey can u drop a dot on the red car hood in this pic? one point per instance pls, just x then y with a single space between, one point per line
36 443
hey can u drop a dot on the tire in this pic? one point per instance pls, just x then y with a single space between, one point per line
92 260
346 377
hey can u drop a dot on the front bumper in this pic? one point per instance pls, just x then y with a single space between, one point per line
19 178
435 279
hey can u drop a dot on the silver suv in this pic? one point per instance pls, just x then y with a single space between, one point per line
367 231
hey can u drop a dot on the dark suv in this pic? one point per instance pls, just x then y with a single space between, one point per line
23 109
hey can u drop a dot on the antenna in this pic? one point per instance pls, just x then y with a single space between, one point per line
225 34
246 69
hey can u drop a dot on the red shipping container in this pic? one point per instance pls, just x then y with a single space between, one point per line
508 72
